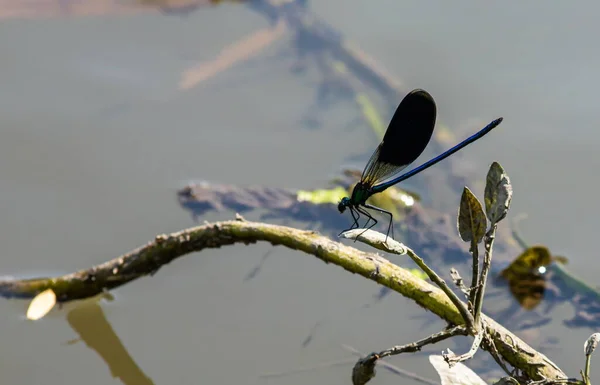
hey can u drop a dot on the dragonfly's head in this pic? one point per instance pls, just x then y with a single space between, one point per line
345 202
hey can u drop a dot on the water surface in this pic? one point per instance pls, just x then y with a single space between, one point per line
97 137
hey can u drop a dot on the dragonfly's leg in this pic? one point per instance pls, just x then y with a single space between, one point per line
367 222
368 215
370 218
355 217
390 225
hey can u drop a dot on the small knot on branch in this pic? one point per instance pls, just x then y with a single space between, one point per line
160 238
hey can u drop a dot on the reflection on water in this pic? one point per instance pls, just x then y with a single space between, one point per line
73 8
88 320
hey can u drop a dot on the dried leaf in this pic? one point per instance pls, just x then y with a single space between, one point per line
528 262
41 305
591 344
459 374
526 284
498 193
471 219
364 370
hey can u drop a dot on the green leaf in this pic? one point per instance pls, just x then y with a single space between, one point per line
471 219
498 193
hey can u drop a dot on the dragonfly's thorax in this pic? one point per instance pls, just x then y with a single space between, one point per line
360 194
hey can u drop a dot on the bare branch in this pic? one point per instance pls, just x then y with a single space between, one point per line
149 258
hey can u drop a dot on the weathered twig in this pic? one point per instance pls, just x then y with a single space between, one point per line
384 243
452 359
491 348
472 223
487 263
364 369
394 369
148 259
390 367
459 282
432 339
475 288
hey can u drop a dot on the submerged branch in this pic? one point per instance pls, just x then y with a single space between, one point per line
147 259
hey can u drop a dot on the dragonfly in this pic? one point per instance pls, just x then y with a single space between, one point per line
411 127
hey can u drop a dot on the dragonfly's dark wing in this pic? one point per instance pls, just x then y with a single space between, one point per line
406 137
376 171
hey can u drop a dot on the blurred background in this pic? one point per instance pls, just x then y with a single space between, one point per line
107 108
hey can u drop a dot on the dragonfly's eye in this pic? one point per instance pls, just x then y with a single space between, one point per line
342 205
